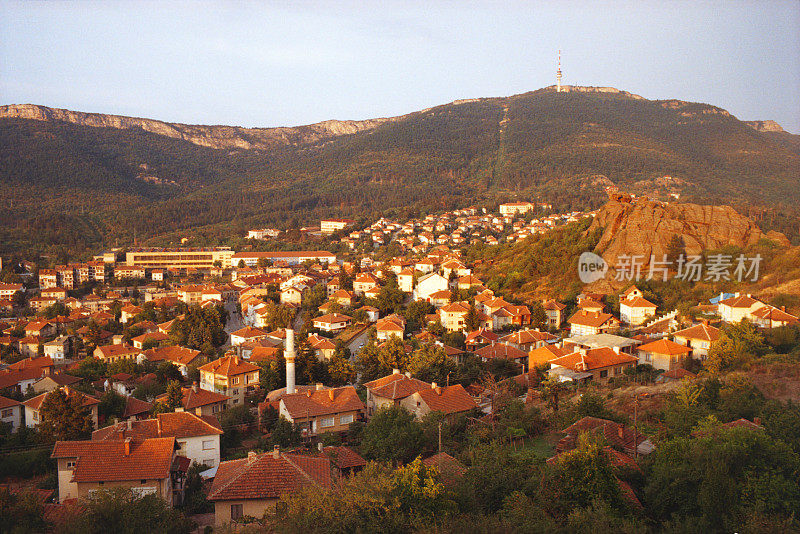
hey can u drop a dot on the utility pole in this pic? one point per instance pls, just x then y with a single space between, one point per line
635 430
440 437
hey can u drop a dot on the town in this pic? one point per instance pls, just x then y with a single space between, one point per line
227 381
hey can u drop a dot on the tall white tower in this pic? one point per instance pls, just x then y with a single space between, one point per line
289 356
558 74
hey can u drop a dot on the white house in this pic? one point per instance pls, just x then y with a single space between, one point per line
11 413
429 284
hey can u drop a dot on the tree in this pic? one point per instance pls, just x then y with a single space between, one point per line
65 417
393 434
112 404
419 493
538 315
174 398
284 433
431 364
167 372
471 320
122 511
91 369
551 390
21 512
738 344
341 371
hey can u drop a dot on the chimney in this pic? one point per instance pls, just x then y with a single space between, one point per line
179 409
130 424
433 385
783 308
621 431
616 350
195 387
331 394
320 446
320 386
395 371
705 322
289 355
127 446
408 374
252 455
276 452
582 352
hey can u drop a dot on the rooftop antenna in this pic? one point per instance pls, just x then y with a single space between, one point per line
558 74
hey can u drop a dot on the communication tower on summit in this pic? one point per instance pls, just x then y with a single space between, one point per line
558 74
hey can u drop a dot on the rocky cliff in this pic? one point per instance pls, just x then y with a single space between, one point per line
229 137
646 227
765 126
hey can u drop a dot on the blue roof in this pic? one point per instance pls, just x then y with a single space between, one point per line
716 299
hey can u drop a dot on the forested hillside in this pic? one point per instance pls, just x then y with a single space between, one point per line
75 186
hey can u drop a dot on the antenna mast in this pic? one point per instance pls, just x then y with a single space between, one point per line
558 73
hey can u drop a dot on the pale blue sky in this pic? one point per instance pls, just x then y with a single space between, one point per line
291 63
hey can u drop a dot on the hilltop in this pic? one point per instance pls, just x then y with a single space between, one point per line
79 179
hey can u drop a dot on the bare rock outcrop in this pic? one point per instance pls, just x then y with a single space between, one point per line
228 137
647 227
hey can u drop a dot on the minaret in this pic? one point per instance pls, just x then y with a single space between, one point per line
289 356
558 74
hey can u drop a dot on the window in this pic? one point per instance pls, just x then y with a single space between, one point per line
35 415
235 380
8 412
208 444
70 464
236 512
182 446
604 373
215 408
346 419
326 422
144 490
208 462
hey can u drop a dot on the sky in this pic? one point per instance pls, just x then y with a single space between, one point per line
291 63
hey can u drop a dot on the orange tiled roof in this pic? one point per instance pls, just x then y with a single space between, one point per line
546 353
450 469
109 351
665 346
701 331
528 336
447 399
395 386
173 424
195 399
501 351
173 353
637 302
314 403
589 318
35 403
594 359
229 366
249 331
742 301
262 476
106 460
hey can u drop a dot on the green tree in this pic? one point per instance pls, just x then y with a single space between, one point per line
21 512
737 345
538 315
393 434
65 417
174 398
120 510
431 364
112 404
472 321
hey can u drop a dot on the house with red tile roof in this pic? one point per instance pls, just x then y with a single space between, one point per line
738 307
250 486
231 376
501 351
11 413
555 312
181 357
585 322
332 322
248 333
623 438
147 467
157 338
698 338
115 353
197 437
450 470
663 354
528 339
390 390
544 354
446 399
34 405
323 347
599 365
635 309
771 317
387 327
321 410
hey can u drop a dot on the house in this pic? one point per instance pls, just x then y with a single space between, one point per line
332 322
146 467
429 284
322 410
196 437
202 402
354 337
698 338
364 282
251 486
294 294
115 353
448 400
450 470
544 354
555 313
529 339
7 291
452 316
11 413
599 365
54 381
20 376
373 314
230 376
771 317
248 333
153 338
390 390
635 309
585 322
128 312
40 329
180 357
737 307
322 346
663 354
136 409
620 437
344 298
394 325
501 351
58 349
32 406
405 280
440 298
